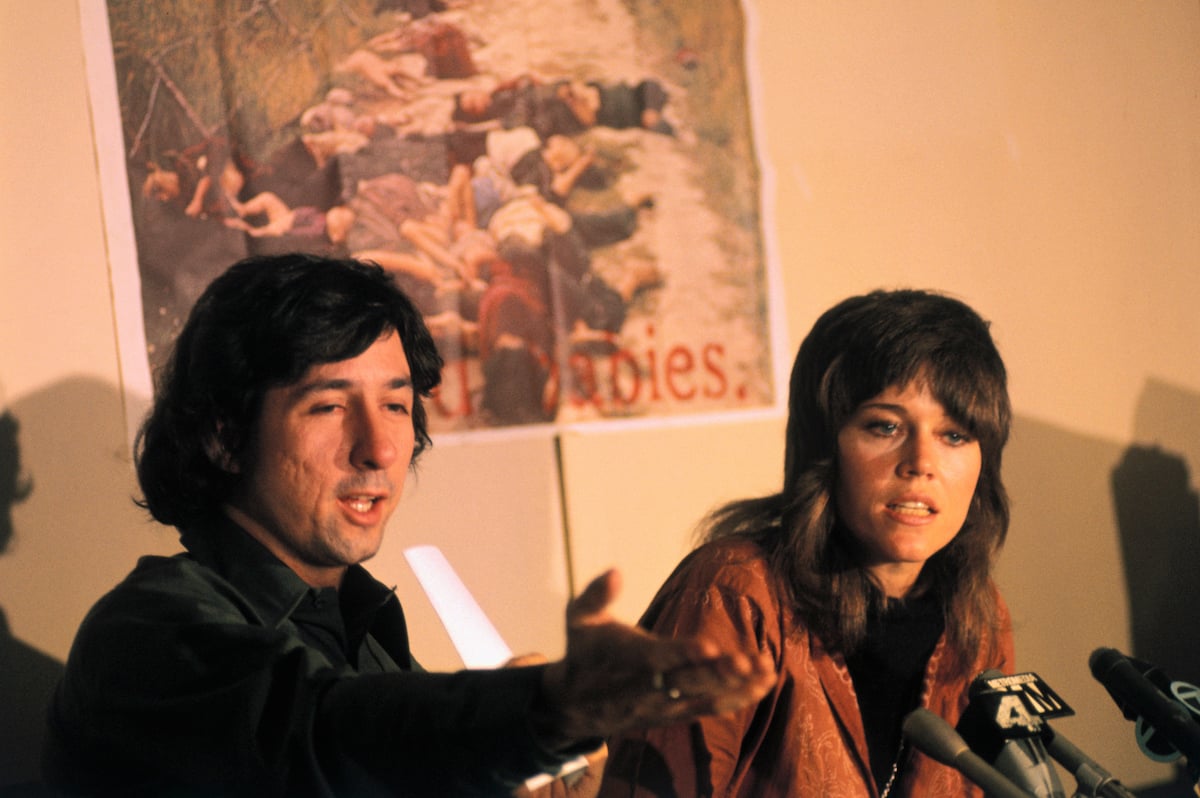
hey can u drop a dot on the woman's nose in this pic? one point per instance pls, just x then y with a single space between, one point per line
918 456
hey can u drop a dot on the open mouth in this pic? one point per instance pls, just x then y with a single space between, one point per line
361 504
915 509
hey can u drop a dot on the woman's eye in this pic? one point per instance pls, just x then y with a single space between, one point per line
958 438
883 427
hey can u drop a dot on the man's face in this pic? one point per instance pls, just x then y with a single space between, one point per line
330 458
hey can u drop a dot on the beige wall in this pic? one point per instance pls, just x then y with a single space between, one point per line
1040 160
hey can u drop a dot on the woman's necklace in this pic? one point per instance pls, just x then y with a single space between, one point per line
887 788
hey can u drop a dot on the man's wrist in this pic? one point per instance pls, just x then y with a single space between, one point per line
549 718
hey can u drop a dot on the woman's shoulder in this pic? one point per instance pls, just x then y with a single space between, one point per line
725 590
731 564
728 554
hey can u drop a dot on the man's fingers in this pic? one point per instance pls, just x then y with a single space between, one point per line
596 597
736 674
617 677
725 682
693 692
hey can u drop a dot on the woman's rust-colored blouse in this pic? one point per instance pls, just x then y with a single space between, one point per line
805 738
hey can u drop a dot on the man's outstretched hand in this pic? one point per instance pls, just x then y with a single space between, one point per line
617 677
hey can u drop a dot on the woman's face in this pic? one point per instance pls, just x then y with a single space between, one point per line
906 475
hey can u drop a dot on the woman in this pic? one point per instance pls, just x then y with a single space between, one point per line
866 578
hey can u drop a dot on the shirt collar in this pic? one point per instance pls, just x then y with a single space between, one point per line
271 588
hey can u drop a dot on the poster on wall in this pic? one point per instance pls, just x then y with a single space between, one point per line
569 191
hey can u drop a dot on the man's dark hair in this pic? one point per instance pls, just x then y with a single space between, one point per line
263 324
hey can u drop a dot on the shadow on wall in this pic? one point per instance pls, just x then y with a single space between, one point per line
27 676
1158 517
75 535
1065 574
1158 513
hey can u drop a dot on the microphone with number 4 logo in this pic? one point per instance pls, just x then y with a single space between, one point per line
1003 724
1023 703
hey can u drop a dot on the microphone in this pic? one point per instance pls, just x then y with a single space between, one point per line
1091 779
1041 702
938 740
1003 724
1136 695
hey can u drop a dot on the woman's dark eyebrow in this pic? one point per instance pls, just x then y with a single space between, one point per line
869 405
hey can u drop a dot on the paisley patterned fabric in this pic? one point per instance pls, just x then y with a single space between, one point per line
805 738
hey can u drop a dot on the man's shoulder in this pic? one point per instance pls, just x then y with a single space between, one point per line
176 587
175 572
170 629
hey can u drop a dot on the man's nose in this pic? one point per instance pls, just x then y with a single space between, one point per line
372 447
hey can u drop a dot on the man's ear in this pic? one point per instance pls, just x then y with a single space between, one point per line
218 454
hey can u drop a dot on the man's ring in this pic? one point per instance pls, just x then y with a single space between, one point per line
659 684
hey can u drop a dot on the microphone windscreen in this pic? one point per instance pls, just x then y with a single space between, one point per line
934 736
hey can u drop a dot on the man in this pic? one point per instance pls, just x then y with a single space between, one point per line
266 660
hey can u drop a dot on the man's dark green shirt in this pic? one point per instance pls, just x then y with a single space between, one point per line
220 672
